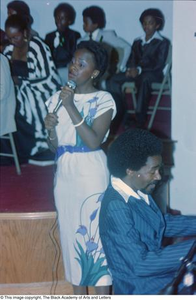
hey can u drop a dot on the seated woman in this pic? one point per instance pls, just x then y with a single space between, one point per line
35 78
144 66
63 40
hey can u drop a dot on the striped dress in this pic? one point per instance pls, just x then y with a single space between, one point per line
32 91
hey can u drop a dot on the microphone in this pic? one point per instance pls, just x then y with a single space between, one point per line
72 85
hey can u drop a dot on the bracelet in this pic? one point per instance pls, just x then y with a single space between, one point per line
80 123
50 138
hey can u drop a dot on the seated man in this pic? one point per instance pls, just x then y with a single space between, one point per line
145 65
94 23
131 225
63 40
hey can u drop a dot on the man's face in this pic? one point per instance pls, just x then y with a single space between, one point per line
88 25
149 26
62 21
148 176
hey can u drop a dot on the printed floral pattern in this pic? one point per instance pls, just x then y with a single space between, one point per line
90 254
93 106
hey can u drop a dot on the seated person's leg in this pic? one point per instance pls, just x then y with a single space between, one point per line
114 83
143 83
114 86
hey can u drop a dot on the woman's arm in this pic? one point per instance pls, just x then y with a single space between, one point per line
51 121
91 136
43 67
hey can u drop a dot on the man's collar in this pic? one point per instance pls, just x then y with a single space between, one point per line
126 191
156 35
95 34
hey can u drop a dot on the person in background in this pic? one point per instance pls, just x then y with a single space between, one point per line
63 40
144 66
76 133
94 22
7 98
21 8
3 40
131 225
35 79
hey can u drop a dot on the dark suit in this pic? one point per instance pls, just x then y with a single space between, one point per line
110 39
131 233
151 59
63 53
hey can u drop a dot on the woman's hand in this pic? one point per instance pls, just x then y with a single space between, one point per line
16 80
67 95
51 121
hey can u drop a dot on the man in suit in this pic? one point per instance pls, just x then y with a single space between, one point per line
94 22
63 40
144 66
132 226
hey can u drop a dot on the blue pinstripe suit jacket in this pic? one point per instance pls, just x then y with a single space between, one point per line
132 234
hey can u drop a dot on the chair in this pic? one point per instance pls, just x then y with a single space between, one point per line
9 137
115 60
159 89
7 109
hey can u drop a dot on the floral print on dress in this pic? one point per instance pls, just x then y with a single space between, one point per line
89 118
90 254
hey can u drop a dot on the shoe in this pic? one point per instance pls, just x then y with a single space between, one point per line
41 163
45 158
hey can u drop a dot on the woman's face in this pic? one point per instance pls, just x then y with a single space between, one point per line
15 36
62 21
82 67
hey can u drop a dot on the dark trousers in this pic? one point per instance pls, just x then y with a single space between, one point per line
143 84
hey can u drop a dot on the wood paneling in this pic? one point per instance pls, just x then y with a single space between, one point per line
29 245
41 288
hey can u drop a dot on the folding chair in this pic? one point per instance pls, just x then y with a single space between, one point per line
130 88
7 109
159 89
115 60
9 137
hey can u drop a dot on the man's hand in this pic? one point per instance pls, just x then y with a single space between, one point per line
132 72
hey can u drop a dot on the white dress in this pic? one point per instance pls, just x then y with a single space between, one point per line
80 181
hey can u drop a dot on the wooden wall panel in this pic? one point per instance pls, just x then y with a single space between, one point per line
27 251
40 288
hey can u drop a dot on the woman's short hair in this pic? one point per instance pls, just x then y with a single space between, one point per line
22 9
68 10
96 14
131 151
99 52
156 14
17 21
